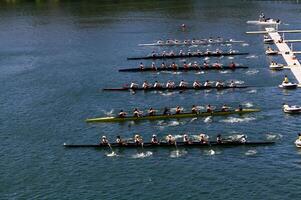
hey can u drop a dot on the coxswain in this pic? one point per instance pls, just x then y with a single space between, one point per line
209 109
154 139
232 84
170 139
163 65
151 112
186 139
196 84
183 83
207 84
122 114
203 138
205 65
219 84
138 139
141 66
104 140
145 85
178 110
194 109
118 139
174 66
217 65
134 85
225 108
170 84
219 138
243 139
166 111
154 66
136 113
286 81
232 65
186 66
157 85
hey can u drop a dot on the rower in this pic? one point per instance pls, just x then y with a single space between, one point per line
186 139
189 53
138 140
206 65
203 139
183 84
299 136
118 139
198 52
185 65
163 65
195 65
240 108
194 109
196 84
181 53
186 41
134 85
286 81
166 111
145 85
157 85
154 54
219 84
154 66
207 84
122 114
104 140
218 51
137 113
141 66
174 66
154 139
170 84
217 65
225 108
232 84
160 41
178 110
219 138
171 53
232 65
209 109
170 139
210 39
243 139
164 53
151 112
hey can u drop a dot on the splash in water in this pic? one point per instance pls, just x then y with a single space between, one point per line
143 154
177 153
245 44
252 72
271 136
208 119
248 104
251 153
252 56
238 120
252 91
112 154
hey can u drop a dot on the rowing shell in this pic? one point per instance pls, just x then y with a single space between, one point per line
150 69
201 42
178 144
175 88
172 116
187 55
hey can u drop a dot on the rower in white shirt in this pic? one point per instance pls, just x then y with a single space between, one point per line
183 83
134 85
157 85
170 84
207 84
219 84
232 84
196 84
146 85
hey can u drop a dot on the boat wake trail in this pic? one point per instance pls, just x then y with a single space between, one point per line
245 44
251 56
167 93
248 104
142 155
177 153
238 120
238 82
230 57
210 152
251 152
224 72
271 136
252 91
252 72
201 72
112 154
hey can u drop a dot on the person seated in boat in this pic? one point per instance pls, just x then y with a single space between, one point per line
166 111
146 85
194 109
205 65
285 80
239 108
122 114
218 51
174 66
225 108
186 66
104 140
217 65
154 66
170 84
134 85
203 139
193 41
195 65
163 65
210 39
138 140
209 109
219 139
163 53
183 84
168 41
151 112
285 106
232 84
157 85
181 53
232 65
196 84
219 39
189 53
160 41
207 52
154 139
198 52
154 54
178 110
207 83
243 139
137 113
141 66
118 140
170 139
186 139
177 41
186 41
299 136
219 84
171 53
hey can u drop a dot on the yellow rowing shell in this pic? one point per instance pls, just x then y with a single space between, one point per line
173 116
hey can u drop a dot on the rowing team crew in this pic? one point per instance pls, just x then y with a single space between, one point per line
183 84
182 53
203 139
186 66
179 110
193 41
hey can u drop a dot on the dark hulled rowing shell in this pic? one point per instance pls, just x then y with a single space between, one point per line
179 144
150 69
175 88
187 55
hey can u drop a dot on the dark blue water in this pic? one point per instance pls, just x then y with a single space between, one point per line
56 56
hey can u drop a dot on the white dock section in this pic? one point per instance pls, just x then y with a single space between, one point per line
287 54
